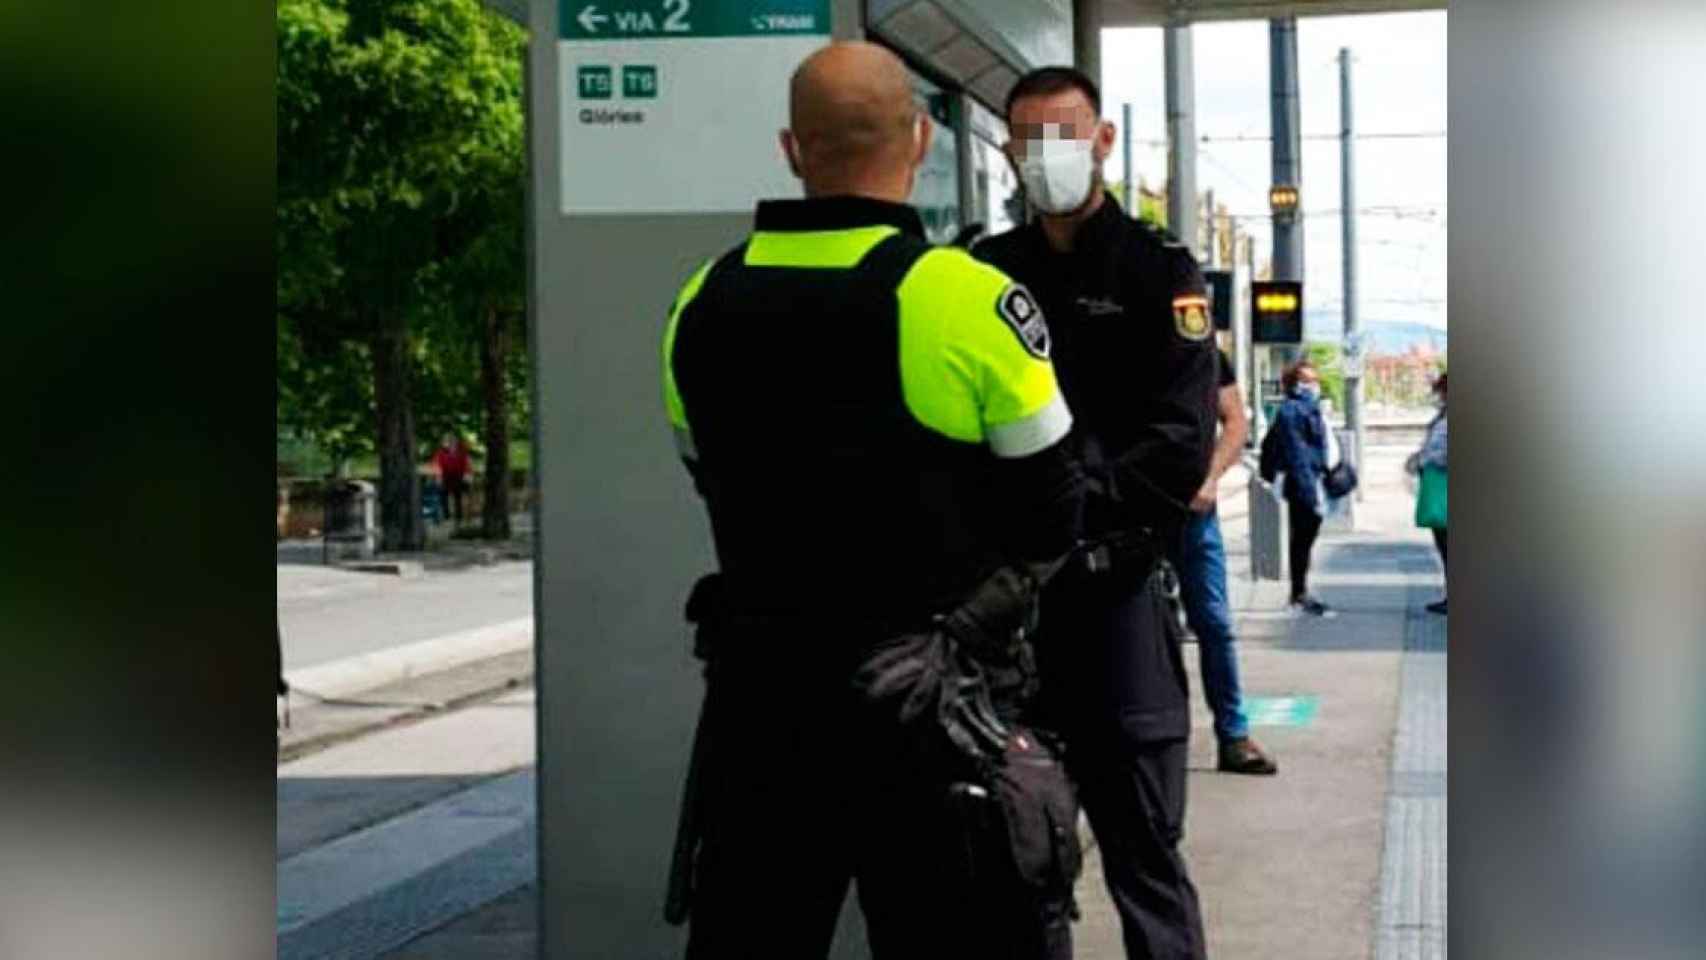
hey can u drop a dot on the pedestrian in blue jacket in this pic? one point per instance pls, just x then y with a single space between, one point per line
1297 447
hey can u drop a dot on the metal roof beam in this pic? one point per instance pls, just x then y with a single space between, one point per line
1160 13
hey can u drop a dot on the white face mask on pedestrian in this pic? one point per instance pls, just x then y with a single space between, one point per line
1310 390
1057 173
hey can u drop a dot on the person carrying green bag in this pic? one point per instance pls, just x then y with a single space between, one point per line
1430 463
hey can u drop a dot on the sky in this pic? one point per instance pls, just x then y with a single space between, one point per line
1399 86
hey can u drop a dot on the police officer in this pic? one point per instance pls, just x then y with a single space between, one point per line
1129 315
874 425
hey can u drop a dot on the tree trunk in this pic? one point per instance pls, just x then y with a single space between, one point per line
494 370
399 486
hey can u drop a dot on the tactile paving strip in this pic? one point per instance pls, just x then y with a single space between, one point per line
1412 873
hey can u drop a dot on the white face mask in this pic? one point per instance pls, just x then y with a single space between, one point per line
1310 390
1057 174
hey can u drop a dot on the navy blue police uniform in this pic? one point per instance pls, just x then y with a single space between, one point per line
1135 355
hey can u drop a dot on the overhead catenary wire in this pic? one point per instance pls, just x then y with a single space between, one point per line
1227 168
1419 214
1161 142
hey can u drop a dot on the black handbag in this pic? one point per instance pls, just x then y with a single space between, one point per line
1340 481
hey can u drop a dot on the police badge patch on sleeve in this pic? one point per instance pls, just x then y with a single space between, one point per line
1021 312
1190 316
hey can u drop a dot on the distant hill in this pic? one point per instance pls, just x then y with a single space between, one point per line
1385 336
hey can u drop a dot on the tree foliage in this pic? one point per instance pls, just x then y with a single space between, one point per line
325 395
1325 358
400 177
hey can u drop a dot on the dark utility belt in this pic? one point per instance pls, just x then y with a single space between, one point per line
724 631
1134 553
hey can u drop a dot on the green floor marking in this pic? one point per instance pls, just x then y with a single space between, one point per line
1298 711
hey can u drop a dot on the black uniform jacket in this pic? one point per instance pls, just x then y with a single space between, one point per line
830 500
1133 346
1134 350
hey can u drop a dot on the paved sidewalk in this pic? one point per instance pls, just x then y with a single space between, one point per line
363 651
328 614
385 837
1339 857
1322 861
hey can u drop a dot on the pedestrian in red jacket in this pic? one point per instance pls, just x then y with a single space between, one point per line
452 464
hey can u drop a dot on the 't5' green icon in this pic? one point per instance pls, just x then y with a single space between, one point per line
595 83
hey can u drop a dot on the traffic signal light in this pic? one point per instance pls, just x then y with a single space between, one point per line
1220 297
1283 200
1277 312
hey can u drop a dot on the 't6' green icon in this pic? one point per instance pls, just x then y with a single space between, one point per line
640 83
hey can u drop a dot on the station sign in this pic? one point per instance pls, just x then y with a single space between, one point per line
673 106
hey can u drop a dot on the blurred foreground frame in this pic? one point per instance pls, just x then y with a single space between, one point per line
1580 495
137 264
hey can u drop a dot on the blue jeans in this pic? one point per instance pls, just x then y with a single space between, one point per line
1201 563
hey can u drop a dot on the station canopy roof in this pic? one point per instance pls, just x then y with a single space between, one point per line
1156 13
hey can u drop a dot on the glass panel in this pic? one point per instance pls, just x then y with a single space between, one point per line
1000 203
936 192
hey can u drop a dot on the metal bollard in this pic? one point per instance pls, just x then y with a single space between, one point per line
1267 529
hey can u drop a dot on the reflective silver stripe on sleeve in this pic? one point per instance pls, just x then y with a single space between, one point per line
684 444
1039 431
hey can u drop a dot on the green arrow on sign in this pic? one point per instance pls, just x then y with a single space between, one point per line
590 19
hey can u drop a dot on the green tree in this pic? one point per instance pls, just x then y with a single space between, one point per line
1152 210
388 112
1325 358
325 395
485 274
1148 209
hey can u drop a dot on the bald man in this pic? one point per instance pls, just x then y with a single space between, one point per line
874 426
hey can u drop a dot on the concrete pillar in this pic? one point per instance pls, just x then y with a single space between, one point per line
1181 136
621 536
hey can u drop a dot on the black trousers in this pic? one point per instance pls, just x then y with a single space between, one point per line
1134 794
804 798
1439 541
1305 527
1120 697
456 496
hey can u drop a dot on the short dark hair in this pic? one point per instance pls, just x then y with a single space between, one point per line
1047 80
1293 373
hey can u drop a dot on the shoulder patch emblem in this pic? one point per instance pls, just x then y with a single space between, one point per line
1020 310
1190 316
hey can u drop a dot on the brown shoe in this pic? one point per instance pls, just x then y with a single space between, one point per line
1243 756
